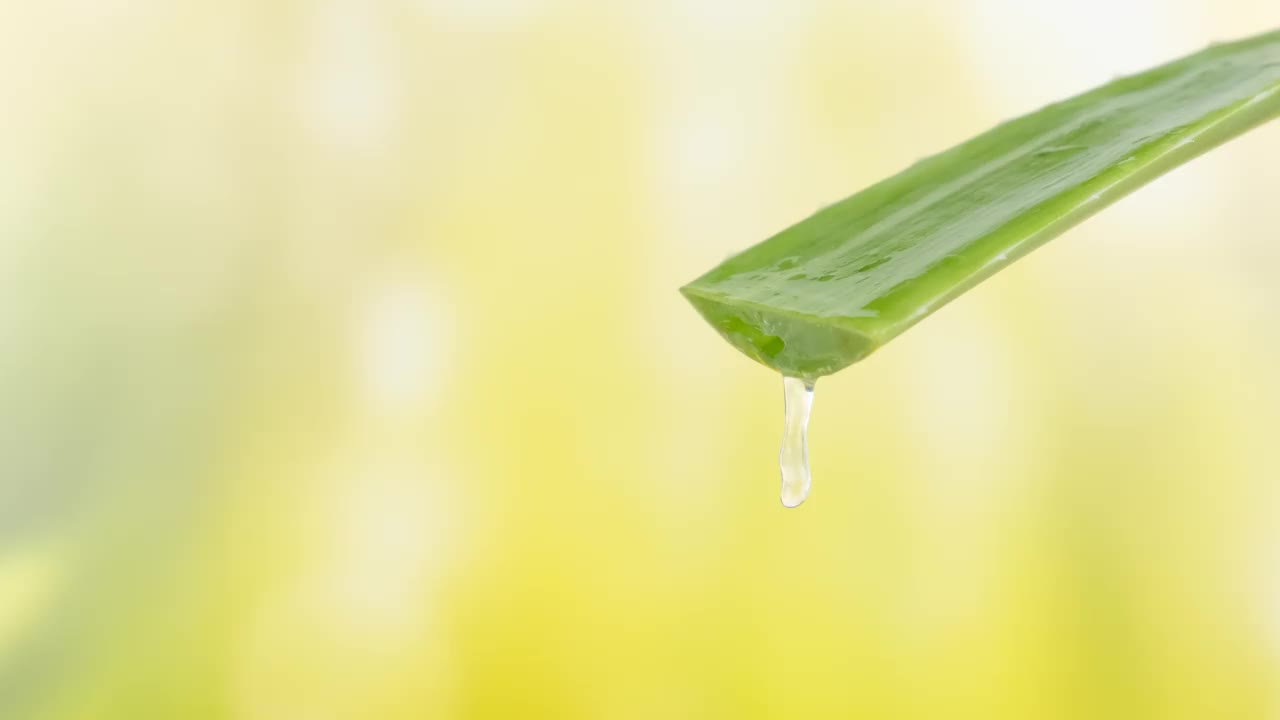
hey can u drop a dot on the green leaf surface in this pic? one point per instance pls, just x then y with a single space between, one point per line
829 290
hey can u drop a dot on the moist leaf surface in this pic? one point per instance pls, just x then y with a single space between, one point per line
829 290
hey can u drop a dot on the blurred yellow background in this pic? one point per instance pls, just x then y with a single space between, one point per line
343 373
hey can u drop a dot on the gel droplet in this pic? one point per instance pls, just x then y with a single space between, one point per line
793 458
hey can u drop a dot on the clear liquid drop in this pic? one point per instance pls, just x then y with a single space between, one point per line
793 458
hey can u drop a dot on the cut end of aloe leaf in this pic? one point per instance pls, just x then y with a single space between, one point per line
798 346
826 292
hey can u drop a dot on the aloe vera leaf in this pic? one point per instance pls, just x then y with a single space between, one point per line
829 290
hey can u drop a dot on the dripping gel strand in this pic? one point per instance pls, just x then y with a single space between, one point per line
793 458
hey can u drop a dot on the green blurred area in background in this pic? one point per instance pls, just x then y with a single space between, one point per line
343 375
